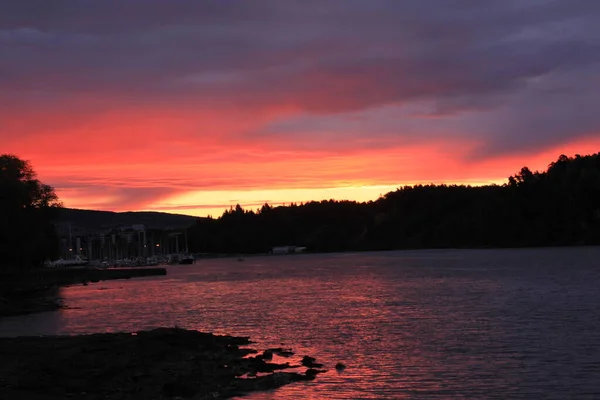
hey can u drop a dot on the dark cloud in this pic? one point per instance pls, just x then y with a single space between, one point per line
111 197
514 75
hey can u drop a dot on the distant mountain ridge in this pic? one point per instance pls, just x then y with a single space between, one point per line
93 220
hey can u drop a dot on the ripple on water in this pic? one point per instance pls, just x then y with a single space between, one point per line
418 324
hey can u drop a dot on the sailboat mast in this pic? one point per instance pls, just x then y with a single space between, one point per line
70 248
186 241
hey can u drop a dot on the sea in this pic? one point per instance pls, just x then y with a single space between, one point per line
431 324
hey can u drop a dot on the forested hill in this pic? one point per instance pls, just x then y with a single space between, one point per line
559 206
101 220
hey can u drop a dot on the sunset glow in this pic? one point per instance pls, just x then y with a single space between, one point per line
195 107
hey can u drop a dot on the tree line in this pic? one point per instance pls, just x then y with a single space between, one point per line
559 206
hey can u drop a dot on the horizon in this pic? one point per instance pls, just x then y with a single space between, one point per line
256 206
191 108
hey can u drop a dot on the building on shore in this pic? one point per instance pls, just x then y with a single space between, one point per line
278 250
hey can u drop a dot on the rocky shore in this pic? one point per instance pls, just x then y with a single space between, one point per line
37 290
165 363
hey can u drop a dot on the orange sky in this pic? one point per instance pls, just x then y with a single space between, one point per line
192 107
107 172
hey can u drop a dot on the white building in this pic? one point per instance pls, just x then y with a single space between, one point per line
287 249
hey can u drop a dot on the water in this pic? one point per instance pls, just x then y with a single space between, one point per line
477 324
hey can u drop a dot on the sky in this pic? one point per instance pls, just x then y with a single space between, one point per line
194 106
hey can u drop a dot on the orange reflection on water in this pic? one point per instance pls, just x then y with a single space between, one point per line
430 324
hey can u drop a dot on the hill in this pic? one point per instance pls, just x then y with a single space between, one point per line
91 220
556 207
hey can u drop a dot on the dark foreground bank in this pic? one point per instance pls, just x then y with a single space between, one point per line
164 363
37 290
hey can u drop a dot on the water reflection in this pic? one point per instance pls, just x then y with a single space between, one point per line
429 324
46 323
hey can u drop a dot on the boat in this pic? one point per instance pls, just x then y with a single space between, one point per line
186 259
77 261
152 261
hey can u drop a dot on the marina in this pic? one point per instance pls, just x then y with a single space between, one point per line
124 246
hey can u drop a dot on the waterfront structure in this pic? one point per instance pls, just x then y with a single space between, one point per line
278 250
126 245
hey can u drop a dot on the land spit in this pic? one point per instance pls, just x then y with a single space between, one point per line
164 363
37 290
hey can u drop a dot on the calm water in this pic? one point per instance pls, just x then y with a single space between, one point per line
419 324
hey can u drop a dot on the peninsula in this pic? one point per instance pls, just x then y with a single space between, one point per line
165 363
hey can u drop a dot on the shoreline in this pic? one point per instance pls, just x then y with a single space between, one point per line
163 363
37 290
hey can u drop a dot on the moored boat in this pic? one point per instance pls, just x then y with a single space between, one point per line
77 261
186 259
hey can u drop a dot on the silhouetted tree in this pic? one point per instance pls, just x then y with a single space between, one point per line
27 209
560 206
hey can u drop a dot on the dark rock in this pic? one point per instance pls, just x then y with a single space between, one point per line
162 363
310 362
340 367
268 353
281 352
311 373
269 382
178 389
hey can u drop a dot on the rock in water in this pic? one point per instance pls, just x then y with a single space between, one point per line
340 367
310 362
